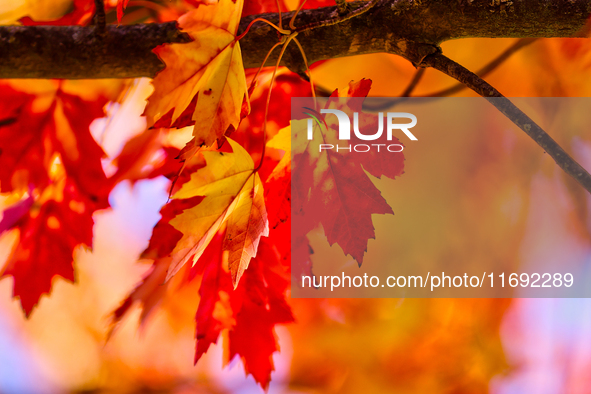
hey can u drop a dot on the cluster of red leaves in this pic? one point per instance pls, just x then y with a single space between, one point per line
49 156
249 312
60 192
56 166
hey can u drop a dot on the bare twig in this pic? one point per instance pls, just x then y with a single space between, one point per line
382 105
503 104
413 82
484 71
487 69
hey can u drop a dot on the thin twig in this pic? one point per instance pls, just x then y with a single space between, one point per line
295 15
487 69
503 104
279 11
307 68
279 29
254 79
285 44
413 82
483 72
382 105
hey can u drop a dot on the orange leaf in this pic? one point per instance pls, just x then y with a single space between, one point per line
206 73
342 197
233 195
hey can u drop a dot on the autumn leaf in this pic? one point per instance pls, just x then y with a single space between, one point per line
121 5
222 193
55 122
233 194
214 313
49 232
333 189
47 151
263 305
203 82
248 313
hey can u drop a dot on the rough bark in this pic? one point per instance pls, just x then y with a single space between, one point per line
411 28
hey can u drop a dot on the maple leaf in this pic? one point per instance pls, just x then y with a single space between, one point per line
249 313
54 123
261 297
47 151
203 82
121 5
341 196
48 234
233 194
214 313
152 288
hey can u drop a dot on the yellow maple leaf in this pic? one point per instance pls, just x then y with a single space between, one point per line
233 195
209 69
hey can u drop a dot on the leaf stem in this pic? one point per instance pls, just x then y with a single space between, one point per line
279 11
254 79
292 20
307 68
280 30
285 44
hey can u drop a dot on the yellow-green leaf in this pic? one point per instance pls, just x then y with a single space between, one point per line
233 194
208 69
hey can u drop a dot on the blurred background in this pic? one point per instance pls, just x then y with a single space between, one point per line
336 345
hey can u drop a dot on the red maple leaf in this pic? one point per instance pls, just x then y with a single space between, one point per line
342 197
47 150
249 312
262 305
121 5
49 232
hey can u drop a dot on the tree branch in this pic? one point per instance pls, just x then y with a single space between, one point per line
487 69
503 104
413 29
74 52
